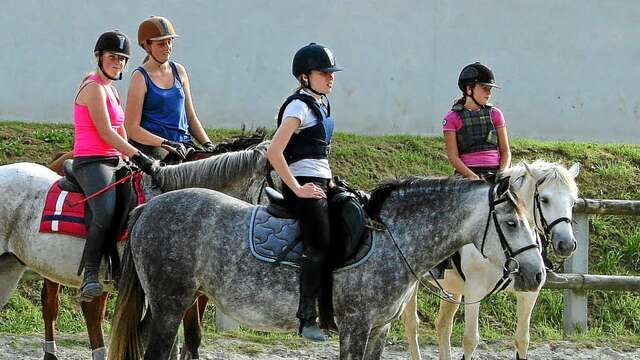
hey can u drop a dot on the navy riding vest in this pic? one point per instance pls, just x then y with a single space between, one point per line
477 132
313 142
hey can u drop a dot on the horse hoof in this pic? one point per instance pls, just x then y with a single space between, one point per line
50 356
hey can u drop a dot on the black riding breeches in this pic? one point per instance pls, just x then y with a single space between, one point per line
93 174
316 236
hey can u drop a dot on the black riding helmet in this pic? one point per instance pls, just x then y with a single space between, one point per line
114 42
476 73
313 57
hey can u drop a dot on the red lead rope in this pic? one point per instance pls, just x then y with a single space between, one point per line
97 193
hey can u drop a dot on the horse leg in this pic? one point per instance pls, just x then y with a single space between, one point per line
11 271
471 336
94 312
163 329
354 336
50 298
411 322
444 326
192 323
378 339
526 302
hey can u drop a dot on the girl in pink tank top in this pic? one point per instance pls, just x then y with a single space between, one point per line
100 145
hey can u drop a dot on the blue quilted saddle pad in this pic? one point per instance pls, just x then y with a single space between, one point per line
270 236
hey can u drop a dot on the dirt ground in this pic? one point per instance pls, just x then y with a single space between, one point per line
73 347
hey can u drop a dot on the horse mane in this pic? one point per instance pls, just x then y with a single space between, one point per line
214 172
552 171
416 184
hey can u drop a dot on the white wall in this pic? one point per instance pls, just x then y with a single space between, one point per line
568 68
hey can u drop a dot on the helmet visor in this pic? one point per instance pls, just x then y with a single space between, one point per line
330 69
493 85
164 37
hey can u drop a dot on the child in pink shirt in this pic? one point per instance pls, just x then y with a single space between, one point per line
474 131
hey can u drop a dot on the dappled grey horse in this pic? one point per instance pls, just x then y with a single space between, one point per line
548 191
425 220
24 186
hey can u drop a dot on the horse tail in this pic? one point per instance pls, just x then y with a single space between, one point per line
126 343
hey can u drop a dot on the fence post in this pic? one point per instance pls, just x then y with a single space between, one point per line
224 323
574 316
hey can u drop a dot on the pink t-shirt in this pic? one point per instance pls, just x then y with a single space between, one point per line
88 141
453 122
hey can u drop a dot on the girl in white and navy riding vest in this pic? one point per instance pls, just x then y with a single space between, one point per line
299 154
475 135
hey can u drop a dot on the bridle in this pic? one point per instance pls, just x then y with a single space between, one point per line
511 265
543 228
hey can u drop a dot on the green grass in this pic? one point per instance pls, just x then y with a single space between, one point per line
608 171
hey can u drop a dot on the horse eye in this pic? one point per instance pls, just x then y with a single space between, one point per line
544 200
511 223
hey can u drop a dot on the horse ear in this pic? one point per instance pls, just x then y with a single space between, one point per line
574 170
528 169
503 186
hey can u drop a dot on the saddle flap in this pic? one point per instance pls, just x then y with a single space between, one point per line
69 182
277 205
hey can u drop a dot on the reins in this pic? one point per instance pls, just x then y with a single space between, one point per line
97 193
510 266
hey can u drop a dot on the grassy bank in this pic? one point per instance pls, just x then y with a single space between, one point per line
608 171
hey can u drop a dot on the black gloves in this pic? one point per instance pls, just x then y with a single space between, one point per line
145 163
210 147
176 148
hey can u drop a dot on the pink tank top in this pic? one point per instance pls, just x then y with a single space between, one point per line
88 141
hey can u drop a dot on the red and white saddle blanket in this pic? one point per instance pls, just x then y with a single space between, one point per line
64 211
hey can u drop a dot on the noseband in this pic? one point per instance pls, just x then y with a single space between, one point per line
542 226
511 264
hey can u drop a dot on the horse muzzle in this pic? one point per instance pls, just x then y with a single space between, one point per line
563 244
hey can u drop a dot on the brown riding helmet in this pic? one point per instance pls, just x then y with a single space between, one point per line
155 28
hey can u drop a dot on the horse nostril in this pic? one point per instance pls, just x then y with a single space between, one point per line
575 245
539 277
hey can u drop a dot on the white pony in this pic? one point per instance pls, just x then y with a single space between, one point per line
550 191
24 186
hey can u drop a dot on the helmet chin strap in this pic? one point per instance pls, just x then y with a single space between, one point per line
474 99
105 73
307 85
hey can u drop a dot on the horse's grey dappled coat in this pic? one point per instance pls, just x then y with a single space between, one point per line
177 256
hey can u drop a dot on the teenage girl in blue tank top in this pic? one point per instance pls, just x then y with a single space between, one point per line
160 117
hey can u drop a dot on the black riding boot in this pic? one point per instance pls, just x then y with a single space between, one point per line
438 271
310 288
91 286
325 304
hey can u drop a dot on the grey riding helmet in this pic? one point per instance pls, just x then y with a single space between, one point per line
313 57
476 73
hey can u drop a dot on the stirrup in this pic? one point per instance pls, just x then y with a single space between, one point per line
90 290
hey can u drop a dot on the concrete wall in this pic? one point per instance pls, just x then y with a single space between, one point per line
568 68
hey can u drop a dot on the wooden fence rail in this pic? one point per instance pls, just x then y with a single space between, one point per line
577 279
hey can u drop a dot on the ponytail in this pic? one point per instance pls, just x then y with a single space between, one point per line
460 101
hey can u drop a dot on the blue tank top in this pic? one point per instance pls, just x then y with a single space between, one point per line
163 111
